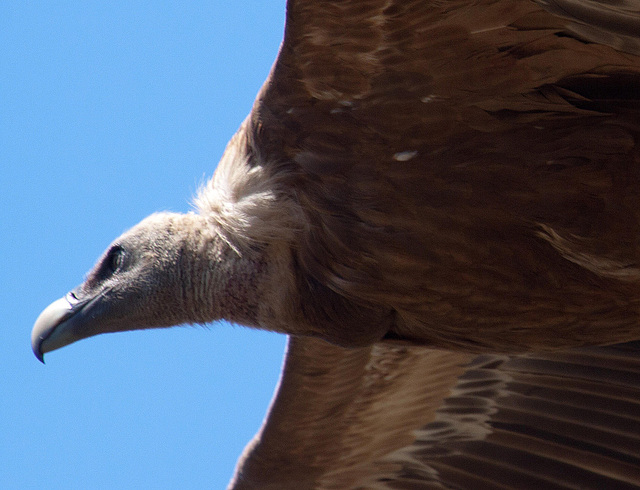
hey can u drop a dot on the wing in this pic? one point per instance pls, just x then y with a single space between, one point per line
463 163
410 417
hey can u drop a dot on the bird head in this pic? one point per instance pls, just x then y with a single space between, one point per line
137 283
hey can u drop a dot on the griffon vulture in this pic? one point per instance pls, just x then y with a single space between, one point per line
439 201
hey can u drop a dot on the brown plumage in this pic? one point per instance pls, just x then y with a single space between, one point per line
419 182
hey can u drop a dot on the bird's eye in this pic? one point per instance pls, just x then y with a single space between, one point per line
114 259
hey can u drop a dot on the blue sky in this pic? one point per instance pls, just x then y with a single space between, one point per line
111 111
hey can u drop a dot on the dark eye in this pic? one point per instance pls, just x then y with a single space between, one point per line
114 259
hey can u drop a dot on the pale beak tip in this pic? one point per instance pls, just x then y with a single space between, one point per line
45 326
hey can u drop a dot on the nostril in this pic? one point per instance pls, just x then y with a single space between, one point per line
71 297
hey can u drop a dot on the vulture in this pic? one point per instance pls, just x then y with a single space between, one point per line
439 202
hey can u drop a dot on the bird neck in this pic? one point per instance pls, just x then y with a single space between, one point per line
258 287
217 281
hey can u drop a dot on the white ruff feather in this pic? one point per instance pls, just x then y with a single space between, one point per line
246 201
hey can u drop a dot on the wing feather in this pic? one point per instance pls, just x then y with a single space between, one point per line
413 418
319 424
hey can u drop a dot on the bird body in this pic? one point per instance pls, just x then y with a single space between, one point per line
423 191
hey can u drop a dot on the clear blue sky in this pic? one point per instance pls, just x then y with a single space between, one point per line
110 111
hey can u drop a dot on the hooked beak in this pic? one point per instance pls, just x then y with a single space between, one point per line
57 325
